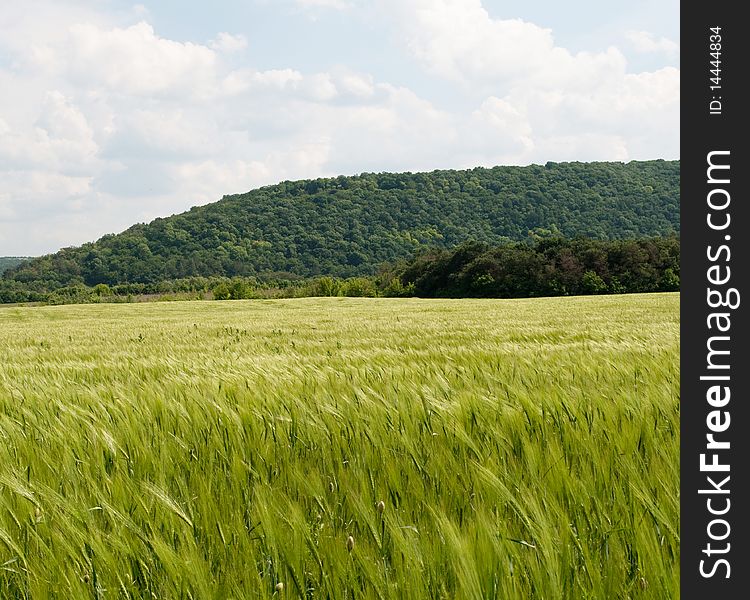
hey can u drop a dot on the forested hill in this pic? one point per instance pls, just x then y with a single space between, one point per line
349 225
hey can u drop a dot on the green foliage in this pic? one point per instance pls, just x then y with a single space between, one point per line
394 288
358 287
14 291
325 286
8 262
240 289
102 289
347 226
670 281
592 283
521 449
549 267
222 292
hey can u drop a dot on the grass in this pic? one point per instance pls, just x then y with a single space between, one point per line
521 449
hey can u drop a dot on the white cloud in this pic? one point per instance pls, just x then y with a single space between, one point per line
61 120
355 84
136 61
335 4
543 101
645 42
319 87
458 39
501 132
199 180
60 139
226 42
245 80
110 122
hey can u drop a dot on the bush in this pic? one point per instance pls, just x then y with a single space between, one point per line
325 286
102 289
240 290
221 292
396 289
358 287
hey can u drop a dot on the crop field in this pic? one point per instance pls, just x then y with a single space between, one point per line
341 448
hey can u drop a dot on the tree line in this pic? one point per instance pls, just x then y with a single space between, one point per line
551 266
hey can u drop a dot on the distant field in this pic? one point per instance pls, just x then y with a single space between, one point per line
520 449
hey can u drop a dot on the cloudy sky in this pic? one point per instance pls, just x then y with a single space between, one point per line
113 113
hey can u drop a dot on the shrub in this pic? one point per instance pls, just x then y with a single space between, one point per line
102 289
396 289
221 292
358 287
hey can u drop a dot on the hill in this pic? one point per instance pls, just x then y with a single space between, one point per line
347 226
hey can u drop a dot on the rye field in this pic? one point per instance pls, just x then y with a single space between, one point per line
341 448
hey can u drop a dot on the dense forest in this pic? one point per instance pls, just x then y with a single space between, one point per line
8 262
349 226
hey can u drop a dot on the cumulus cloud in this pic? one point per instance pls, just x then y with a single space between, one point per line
646 42
111 122
136 61
543 101
58 140
245 80
459 40
355 84
226 42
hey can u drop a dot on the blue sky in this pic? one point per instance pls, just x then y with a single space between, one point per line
116 112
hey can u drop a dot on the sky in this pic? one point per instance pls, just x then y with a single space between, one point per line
113 112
